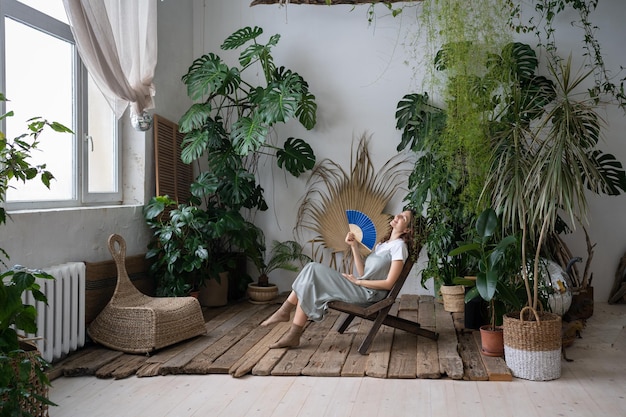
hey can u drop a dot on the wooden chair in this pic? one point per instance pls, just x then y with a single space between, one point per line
378 313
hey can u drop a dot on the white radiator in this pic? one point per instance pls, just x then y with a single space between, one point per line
61 324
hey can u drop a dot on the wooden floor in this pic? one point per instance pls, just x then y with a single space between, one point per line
235 344
593 384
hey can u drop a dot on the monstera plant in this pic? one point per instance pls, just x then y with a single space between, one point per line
229 129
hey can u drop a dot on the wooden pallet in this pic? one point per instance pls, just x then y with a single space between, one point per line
235 344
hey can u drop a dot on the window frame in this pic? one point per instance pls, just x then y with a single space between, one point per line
81 196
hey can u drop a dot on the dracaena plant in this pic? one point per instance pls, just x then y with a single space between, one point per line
545 151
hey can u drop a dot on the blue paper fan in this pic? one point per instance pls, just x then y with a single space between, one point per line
363 227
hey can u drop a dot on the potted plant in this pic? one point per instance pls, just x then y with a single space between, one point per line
498 263
23 381
191 248
180 248
227 131
281 256
437 193
545 158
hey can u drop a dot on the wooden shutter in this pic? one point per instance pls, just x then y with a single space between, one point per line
173 177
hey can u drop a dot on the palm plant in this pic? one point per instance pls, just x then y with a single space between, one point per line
282 256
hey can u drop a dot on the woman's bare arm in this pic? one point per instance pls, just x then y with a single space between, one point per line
386 284
356 254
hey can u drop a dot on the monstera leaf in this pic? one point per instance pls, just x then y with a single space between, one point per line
296 156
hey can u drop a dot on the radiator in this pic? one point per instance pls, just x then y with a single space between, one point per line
60 324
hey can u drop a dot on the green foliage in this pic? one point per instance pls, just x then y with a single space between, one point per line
544 149
15 157
15 316
191 244
237 111
542 25
498 260
231 127
433 190
452 144
13 283
281 256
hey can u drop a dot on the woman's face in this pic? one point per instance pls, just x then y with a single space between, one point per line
402 221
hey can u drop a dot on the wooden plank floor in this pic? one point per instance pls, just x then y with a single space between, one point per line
592 385
235 344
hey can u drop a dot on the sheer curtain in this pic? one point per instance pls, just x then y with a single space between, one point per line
117 41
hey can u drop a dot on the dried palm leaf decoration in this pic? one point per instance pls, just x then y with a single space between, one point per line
332 193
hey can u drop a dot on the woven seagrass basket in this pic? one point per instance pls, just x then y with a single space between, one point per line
532 344
453 298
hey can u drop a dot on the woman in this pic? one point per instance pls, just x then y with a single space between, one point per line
318 284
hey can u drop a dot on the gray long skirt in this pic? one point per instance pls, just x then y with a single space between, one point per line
318 284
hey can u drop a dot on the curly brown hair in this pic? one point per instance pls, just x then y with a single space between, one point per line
408 235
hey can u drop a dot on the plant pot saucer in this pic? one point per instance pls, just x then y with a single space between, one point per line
491 354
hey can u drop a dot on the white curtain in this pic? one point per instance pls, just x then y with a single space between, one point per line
117 41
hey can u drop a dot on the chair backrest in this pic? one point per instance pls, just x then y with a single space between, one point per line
404 274
124 289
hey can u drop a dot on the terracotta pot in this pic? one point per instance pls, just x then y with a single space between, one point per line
492 340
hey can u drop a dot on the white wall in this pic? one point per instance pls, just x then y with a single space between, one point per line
358 73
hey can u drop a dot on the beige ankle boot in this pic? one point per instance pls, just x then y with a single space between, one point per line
289 339
282 314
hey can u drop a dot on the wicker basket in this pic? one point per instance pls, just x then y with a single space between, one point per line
31 405
262 295
532 348
453 298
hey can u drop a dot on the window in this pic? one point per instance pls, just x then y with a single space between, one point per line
43 76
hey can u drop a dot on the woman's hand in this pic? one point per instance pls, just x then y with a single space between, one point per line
351 239
351 278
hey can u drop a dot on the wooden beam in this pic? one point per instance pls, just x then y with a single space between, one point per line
323 2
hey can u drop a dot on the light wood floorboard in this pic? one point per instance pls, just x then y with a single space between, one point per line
593 385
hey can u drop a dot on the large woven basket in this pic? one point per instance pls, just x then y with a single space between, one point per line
532 344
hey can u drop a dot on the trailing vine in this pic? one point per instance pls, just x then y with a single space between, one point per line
464 37
548 12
